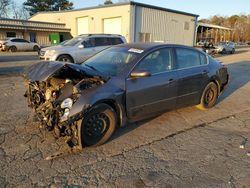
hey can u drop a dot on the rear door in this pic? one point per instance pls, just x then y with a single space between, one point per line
26 44
148 96
193 73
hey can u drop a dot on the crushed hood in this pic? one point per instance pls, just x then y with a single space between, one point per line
41 71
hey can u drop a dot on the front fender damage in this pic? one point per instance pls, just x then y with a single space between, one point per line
49 85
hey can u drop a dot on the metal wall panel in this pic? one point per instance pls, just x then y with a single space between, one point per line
165 26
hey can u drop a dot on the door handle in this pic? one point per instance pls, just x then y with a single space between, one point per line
204 72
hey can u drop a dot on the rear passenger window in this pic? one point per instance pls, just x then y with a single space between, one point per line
188 58
19 40
101 41
115 41
14 40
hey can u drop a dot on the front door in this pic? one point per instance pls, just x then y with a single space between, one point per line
149 96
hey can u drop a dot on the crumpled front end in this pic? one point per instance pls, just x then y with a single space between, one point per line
52 90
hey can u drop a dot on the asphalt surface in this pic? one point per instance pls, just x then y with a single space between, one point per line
15 63
182 148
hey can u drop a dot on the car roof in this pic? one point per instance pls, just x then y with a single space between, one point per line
100 34
149 45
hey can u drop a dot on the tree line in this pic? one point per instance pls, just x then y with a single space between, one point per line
11 9
240 25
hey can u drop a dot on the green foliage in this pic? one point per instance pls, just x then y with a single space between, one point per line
34 6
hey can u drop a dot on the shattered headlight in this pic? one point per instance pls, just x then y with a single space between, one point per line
65 115
67 103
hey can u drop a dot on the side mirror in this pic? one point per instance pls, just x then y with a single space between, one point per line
81 46
139 74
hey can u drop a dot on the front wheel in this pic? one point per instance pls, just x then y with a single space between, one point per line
209 96
65 58
98 125
233 51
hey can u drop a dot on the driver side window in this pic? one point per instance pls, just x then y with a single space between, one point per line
157 61
88 43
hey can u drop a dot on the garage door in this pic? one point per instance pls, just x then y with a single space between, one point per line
82 25
113 25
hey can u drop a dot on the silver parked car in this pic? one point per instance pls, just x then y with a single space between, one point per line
225 47
16 44
80 48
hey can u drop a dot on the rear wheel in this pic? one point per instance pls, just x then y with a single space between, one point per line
65 58
98 125
209 96
224 51
36 48
12 49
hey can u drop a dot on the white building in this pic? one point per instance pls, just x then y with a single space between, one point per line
136 21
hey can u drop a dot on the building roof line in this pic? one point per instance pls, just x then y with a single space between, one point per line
119 4
162 8
212 26
34 27
30 21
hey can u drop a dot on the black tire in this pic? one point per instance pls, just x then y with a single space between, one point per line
36 48
224 51
98 125
12 49
65 58
209 97
233 51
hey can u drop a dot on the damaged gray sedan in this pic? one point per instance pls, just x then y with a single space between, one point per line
125 83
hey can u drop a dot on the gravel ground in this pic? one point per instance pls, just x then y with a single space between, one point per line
182 148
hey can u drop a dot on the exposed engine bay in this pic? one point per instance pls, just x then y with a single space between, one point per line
52 99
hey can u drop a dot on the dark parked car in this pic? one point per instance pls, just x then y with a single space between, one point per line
124 83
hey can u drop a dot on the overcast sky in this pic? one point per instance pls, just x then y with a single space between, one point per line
204 8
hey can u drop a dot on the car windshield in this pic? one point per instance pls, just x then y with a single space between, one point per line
112 61
74 41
